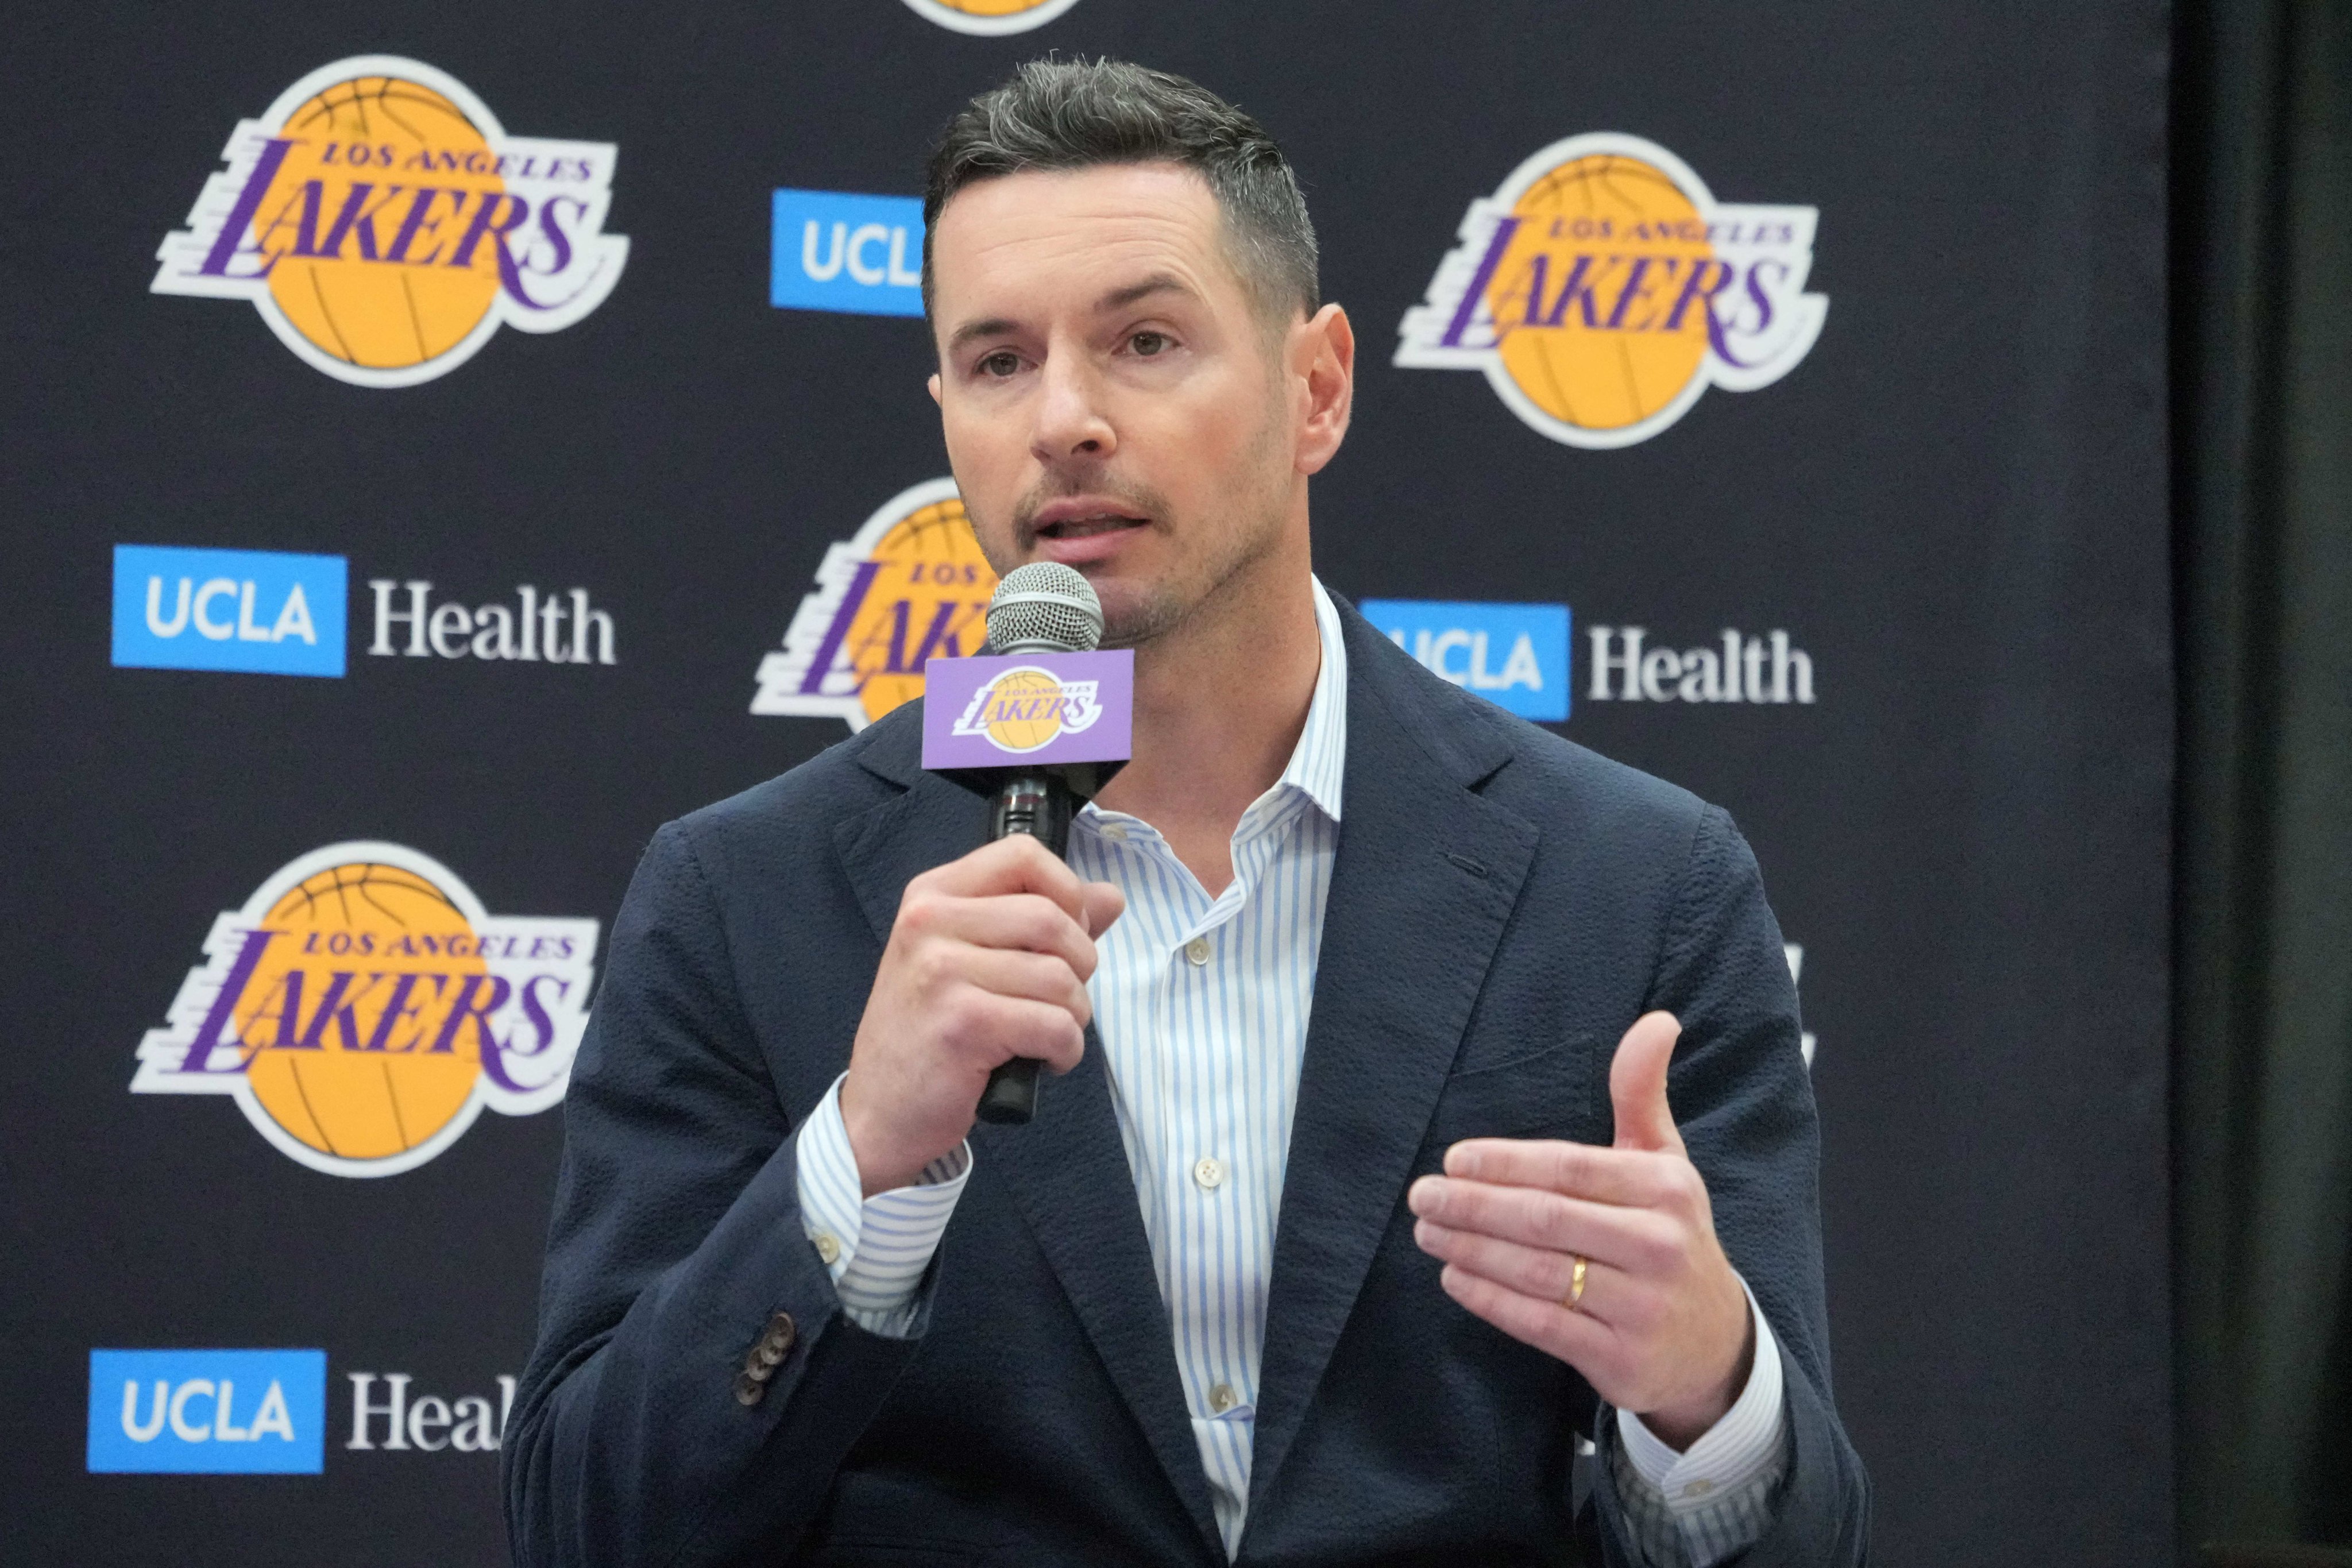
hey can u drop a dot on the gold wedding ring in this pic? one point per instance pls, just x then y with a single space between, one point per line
1575 1283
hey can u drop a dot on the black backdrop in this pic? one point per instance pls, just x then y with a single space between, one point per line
1954 504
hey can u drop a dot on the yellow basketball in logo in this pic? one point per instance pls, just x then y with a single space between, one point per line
990 16
368 217
929 596
347 1020
1023 710
1588 299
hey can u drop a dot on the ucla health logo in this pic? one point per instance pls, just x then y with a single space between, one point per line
253 610
832 250
910 584
384 225
1601 289
990 18
208 1412
362 1007
1514 655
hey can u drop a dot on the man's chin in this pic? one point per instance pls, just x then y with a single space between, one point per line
1135 612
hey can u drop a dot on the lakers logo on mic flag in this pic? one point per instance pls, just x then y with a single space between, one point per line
1026 708
1005 709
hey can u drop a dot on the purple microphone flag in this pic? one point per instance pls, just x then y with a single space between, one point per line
1012 710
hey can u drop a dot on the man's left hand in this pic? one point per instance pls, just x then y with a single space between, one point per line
1662 1328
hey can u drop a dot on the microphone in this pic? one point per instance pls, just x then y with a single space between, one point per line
1043 607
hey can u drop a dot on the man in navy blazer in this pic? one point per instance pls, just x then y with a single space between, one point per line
1515 1307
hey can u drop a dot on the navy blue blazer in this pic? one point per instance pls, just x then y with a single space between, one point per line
1502 905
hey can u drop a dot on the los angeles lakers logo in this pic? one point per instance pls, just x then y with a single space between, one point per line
910 584
989 19
384 225
1602 290
362 1007
1026 709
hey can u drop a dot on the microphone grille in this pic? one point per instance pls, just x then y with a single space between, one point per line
1044 607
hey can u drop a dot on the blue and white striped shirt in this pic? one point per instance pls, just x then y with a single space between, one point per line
1202 1005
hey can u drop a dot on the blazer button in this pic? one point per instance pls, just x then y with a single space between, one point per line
750 1390
781 1332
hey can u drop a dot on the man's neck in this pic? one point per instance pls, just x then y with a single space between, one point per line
1219 706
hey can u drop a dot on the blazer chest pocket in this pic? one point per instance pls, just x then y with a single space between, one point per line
1558 1090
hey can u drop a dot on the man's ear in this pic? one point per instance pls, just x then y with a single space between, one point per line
1324 356
934 385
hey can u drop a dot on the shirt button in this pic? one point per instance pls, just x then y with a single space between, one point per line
1114 831
1210 1171
1698 1488
827 1247
1197 950
1221 1398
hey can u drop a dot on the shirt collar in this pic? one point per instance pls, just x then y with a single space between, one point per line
1319 764
1319 761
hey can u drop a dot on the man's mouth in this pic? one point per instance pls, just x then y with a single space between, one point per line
1088 527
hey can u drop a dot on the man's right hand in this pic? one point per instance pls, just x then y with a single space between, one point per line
988 960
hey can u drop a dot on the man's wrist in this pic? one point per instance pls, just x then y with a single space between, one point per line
880 1168
1681 1423
876 1249
1729 1473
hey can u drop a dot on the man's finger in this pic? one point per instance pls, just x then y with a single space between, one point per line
1020 921
1532 1271
1637 1240
1637 1085
1632 1176
1104 904
983 1029
1037 976
1576 1338
1014 864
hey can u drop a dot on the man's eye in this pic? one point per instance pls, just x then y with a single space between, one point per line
1002 364
1147 344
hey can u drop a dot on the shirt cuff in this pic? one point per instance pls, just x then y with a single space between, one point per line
876 1249
1733 1453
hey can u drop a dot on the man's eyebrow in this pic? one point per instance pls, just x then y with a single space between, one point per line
1158 283
994 327
1117 299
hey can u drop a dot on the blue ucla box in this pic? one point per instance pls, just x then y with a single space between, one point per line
1515 655
835 250
261 611
208 1412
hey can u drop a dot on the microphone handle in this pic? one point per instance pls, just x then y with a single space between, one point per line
1039 803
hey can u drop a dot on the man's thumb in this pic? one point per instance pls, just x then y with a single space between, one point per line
1103 904
1637 1084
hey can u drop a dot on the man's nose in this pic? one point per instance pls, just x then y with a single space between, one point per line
1071 422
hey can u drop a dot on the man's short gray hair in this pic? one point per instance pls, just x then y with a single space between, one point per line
1070 114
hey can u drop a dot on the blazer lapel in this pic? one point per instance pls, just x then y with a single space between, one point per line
1066 1170
1426 874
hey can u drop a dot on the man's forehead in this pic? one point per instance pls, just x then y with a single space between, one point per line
1102 191
1105 230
